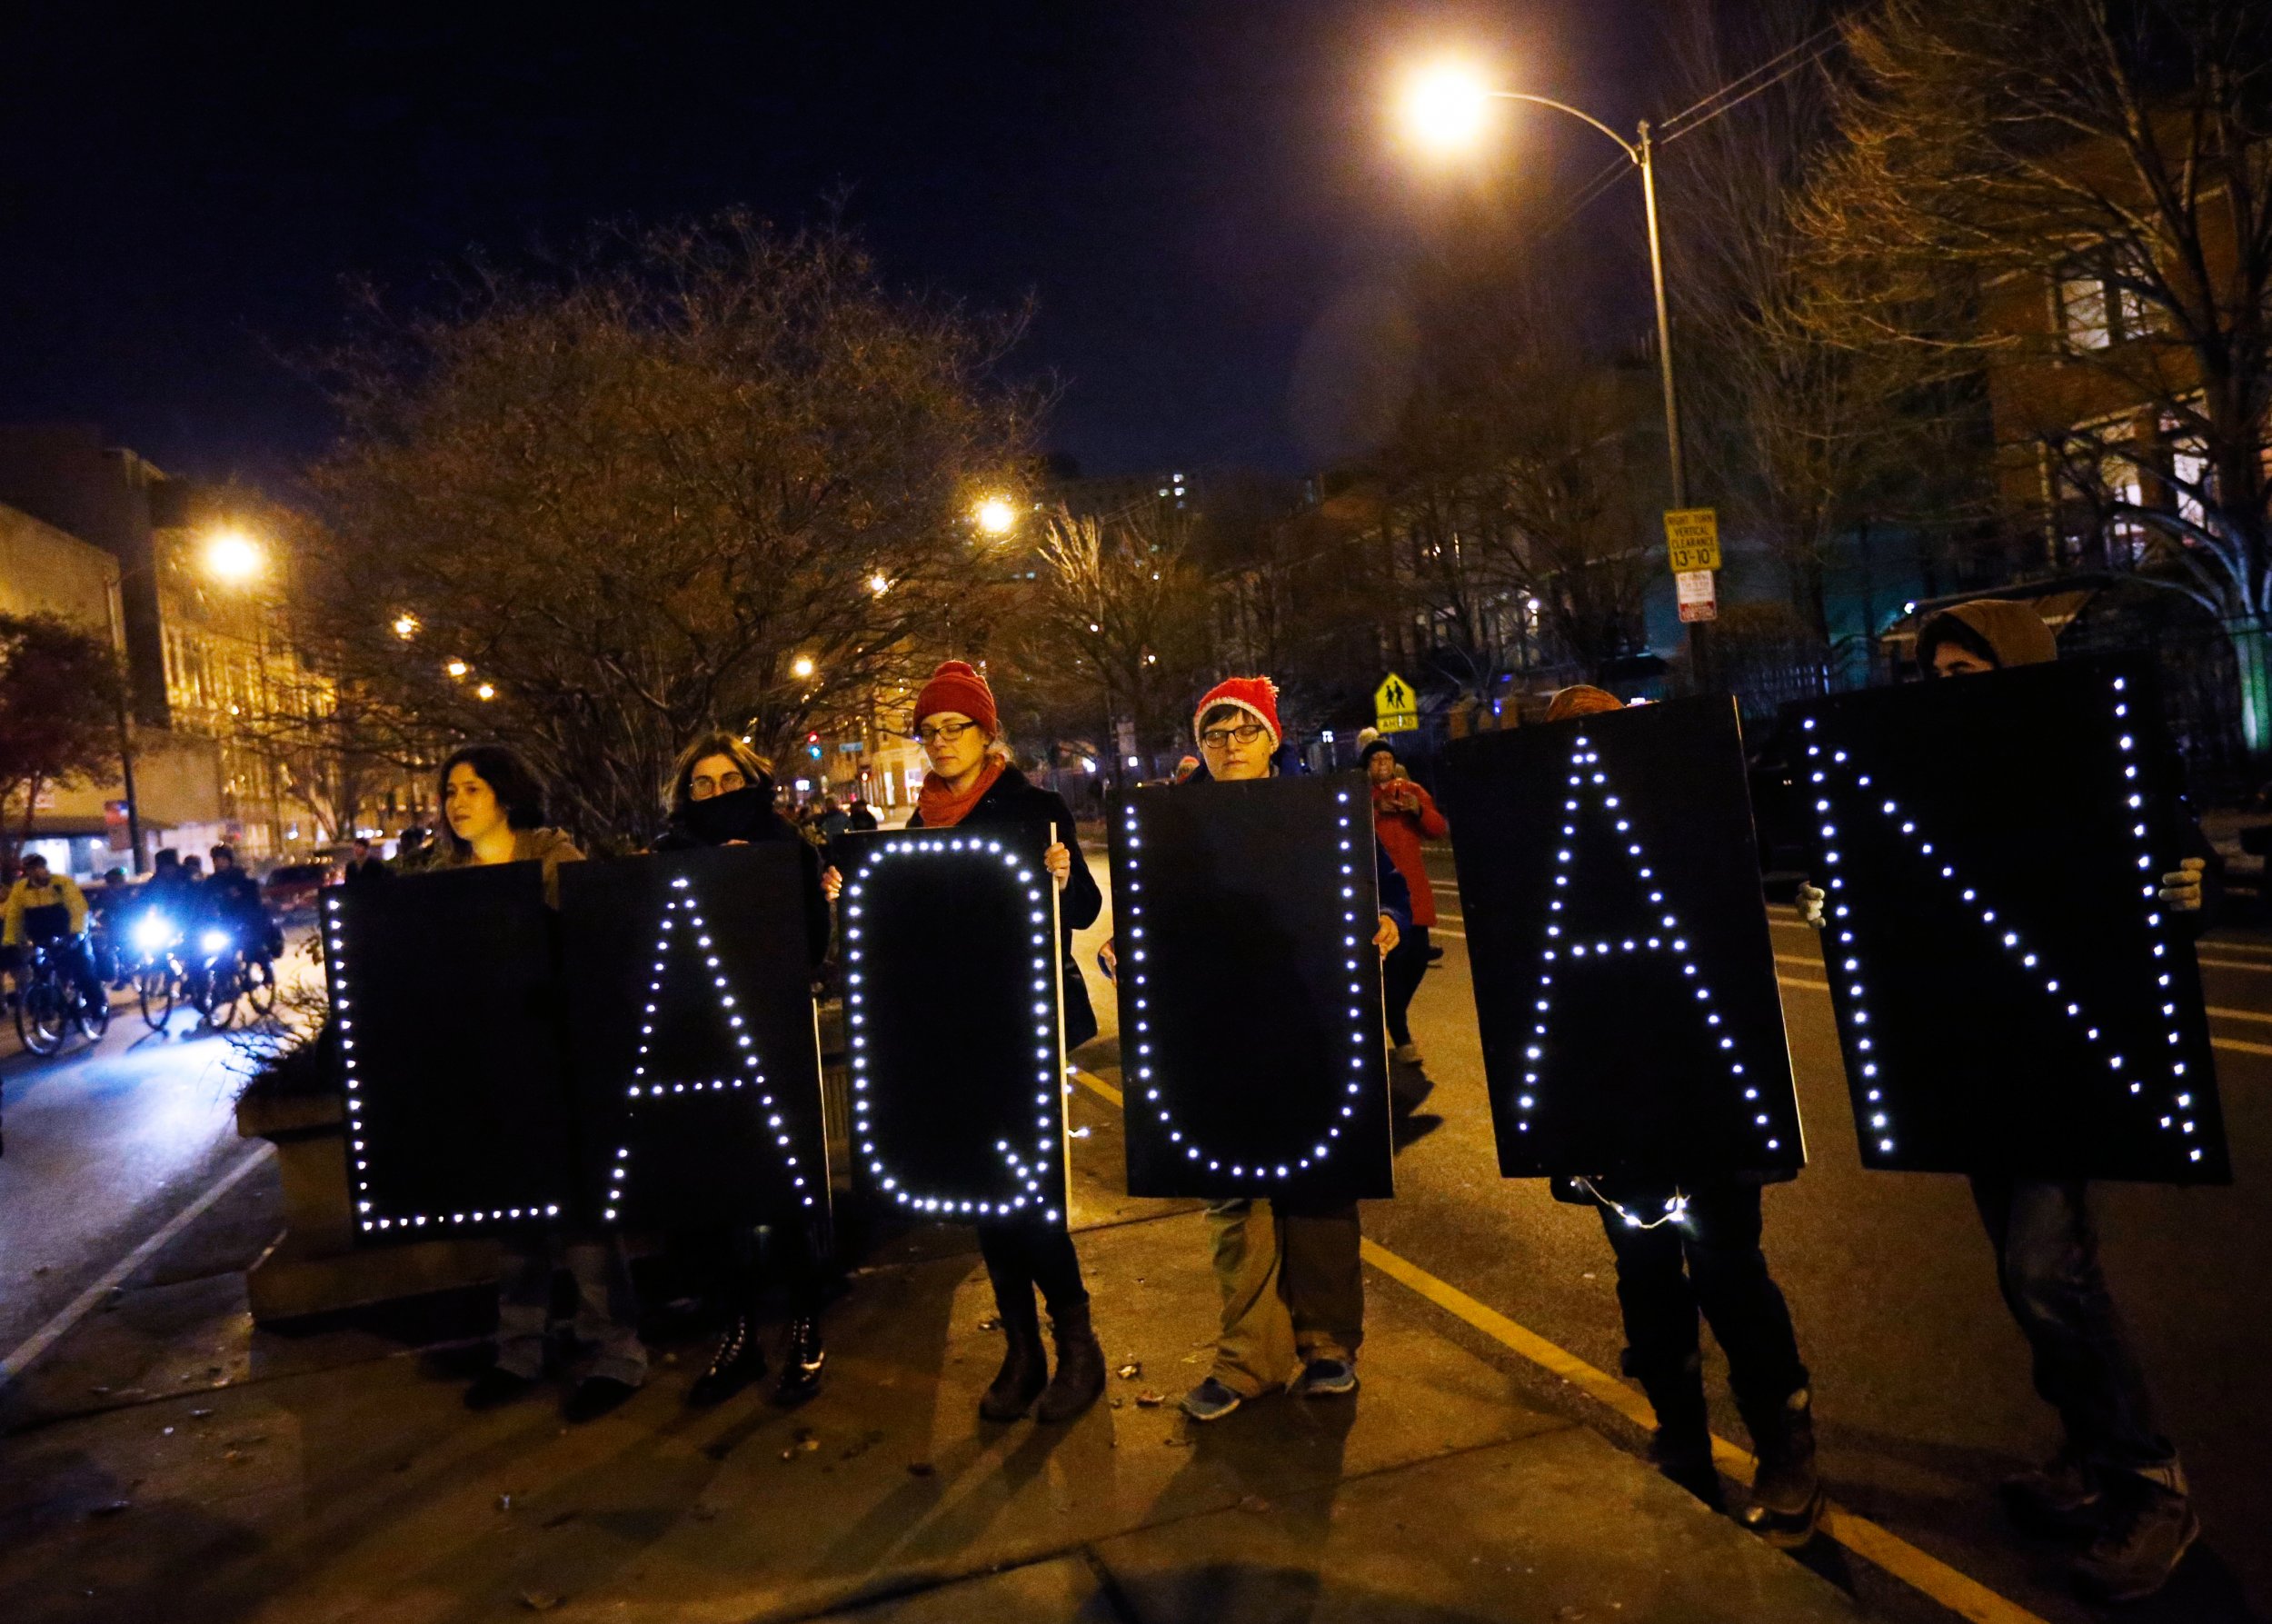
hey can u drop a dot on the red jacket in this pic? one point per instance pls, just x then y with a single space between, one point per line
1401 834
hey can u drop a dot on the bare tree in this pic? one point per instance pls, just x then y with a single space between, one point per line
703 473
59 695
2095 180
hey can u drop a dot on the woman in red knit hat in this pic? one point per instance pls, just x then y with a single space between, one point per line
971 781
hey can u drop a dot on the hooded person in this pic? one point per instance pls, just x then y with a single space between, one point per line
2116 1475
721 793
1289 1273
972 781
1707 1264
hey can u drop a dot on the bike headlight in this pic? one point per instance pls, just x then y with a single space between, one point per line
215 942
153 932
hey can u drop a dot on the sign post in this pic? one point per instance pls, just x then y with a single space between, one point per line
1395 707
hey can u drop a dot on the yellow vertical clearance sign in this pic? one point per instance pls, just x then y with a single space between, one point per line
1693 538
1395 707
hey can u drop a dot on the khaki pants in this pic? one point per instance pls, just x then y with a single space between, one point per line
1293 1290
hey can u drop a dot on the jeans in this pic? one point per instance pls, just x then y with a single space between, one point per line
1293 1290
1024 1253
607 1312
1711 1265
1401 974
2047 1262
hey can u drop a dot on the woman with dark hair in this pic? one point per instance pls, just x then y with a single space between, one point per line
721 793
493 810
972 781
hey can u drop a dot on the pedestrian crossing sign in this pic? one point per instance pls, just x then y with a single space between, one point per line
1395 707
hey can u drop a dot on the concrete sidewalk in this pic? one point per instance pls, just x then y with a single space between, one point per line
167 1462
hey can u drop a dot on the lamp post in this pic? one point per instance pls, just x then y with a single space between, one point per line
1448 108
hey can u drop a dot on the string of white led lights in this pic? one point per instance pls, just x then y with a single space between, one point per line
1841 913
1583 756
335 968
619 1172
1351 938
1026 1176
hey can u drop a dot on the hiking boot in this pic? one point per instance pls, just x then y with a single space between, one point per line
1024 1366
1681 1446
2141 1549
1325 1379
1210 1401
801 1363
1786 1493
1079 1378
739 1361
2059 1497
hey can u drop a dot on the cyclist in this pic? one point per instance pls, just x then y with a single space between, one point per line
44 908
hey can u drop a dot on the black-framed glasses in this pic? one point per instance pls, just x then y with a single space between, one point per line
705 786
944 733
1219 738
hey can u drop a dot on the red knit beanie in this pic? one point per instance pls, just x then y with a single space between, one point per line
954 686
1256 697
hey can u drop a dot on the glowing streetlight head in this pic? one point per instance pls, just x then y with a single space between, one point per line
995 515
457 668
406 626
802 666
233 556
486 691
1447 106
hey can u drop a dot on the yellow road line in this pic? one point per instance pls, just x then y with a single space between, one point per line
2236 965
2240 1046
2238 1014
1928 1575
1455 935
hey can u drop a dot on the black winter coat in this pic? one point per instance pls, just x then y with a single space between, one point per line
1014 798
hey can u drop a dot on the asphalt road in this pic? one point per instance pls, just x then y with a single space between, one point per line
1921 1381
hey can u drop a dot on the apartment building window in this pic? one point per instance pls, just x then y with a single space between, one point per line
2083 310
2098 306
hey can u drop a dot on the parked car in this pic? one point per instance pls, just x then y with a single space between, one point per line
290 890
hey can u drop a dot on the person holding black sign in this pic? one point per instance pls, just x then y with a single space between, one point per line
1292 1285
721 793
2116 1475
1403 815
1689 1252
972 781
493 811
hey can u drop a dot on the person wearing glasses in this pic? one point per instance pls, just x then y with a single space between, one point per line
721 793
1293 1292
972 781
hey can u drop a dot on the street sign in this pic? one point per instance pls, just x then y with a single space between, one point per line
1698 602
1395 707
1693 538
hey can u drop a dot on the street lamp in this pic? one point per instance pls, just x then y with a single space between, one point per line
802 666
457 668
233 556
486 691
1447 108
995 515
406 626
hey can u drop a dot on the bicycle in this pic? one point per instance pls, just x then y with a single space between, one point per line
158 972
49 1002
231 975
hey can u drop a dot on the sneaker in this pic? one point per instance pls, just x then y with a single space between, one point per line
1326 1379
2059 1497
1210 1401
495 1386
2135 1556
595 1397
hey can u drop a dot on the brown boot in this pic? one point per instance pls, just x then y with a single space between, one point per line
1024 1365
1079 1378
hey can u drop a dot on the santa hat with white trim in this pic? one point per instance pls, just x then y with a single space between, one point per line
1256 697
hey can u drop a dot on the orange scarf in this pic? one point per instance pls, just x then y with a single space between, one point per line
940 808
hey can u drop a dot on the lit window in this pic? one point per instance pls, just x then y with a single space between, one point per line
2083 312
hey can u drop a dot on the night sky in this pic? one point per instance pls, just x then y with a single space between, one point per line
1203 194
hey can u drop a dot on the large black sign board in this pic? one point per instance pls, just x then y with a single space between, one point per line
950 962
2011 995
446 1003
693 1055
1249 990
1618 942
